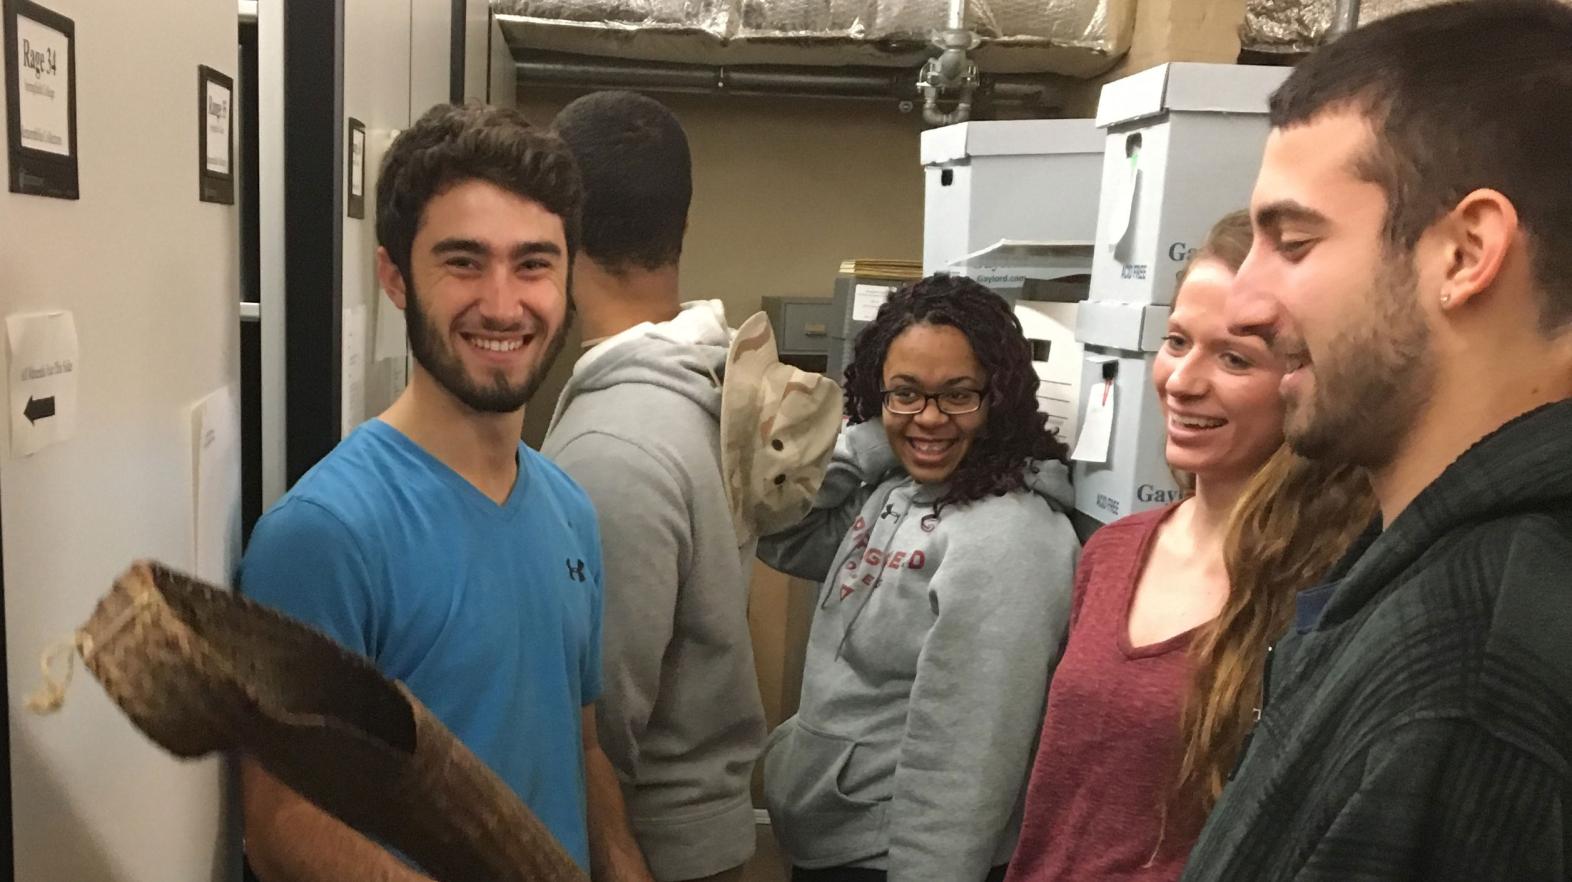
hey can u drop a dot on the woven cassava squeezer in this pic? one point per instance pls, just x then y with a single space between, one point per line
201 669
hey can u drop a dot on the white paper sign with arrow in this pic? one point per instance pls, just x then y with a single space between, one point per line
41 376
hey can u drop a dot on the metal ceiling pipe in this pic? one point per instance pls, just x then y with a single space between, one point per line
957 20
1345 17
935 117
952 71
739 80
827 82
622 74
837 83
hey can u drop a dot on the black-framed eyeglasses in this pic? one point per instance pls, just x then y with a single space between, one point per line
907 401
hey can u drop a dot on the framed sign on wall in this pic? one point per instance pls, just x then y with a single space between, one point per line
40 95
216 136
357 169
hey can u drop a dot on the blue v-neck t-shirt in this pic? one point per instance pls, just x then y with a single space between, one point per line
490 614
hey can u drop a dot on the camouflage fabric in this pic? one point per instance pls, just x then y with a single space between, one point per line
778 427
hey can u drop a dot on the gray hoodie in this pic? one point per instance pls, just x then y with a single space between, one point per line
680 717
927 667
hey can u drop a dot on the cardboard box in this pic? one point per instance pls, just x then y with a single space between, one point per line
1008 179
1182 147
1058 359
1136 476
1006 265
1134 327
1183 144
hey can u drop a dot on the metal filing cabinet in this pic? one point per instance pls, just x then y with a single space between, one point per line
802 330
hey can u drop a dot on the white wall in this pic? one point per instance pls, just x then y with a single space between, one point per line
152 276
430 53
477 52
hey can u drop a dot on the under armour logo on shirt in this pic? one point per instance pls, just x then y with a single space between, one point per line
575 569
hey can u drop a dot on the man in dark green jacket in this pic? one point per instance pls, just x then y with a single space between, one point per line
1413 265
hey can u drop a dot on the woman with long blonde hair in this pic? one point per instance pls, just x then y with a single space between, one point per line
1173 609
1295 520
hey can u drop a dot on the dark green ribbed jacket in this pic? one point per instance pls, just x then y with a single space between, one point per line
1421 727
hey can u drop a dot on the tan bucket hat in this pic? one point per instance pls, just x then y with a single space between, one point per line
778 427
200 669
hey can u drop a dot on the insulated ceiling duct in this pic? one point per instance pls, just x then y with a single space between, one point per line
1293 26
1073 37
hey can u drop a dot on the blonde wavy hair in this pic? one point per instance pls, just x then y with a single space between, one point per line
1294 521
1291 524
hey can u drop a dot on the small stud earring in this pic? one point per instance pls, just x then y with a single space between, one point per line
1446 299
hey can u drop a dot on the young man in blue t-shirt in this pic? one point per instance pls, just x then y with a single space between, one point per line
430 540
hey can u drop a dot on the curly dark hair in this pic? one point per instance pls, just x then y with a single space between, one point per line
451 144
1016 432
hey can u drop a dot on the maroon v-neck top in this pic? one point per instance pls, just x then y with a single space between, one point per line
1110 742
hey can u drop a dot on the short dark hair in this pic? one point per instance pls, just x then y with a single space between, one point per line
451 144
1017 430
1462 96
638 178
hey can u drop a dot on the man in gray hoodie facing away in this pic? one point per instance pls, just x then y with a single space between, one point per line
638 426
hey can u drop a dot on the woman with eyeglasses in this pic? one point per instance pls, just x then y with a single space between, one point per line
946 559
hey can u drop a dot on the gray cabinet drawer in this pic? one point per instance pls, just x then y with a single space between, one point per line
802 325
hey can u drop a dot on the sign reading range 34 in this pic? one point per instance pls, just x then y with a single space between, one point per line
40 59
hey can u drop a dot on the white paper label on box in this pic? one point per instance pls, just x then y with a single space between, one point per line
44 93
42 379
1124 217
866 300
1096 424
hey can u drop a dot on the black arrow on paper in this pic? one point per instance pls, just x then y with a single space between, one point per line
39 408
